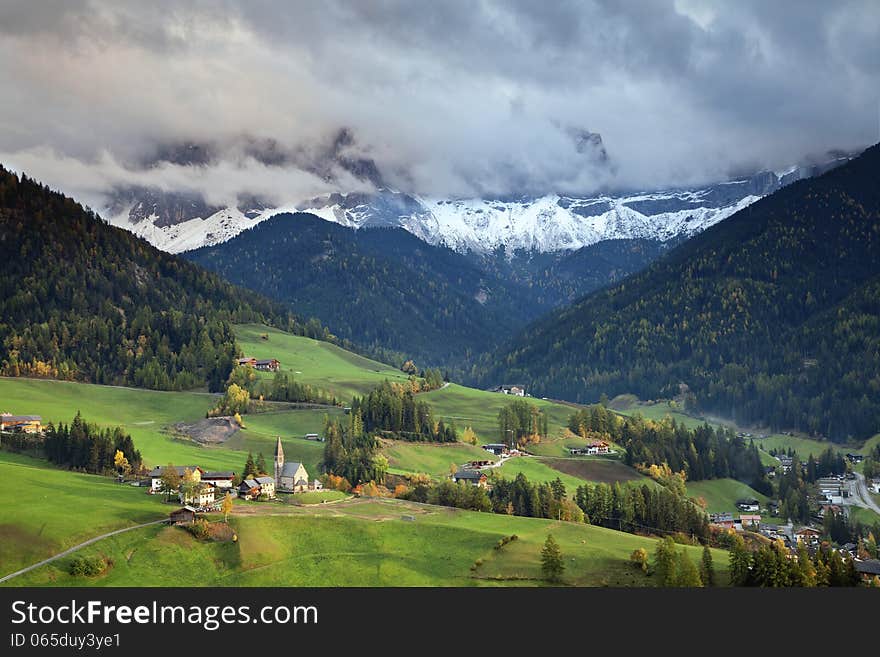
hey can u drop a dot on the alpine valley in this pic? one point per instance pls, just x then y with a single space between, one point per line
466 273
300 296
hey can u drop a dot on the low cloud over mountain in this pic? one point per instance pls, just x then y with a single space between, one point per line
279 100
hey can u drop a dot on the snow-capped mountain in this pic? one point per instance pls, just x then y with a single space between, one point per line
544 224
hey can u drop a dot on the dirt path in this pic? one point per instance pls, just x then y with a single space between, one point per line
77 547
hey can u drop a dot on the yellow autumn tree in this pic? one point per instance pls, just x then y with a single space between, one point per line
121 463
226 507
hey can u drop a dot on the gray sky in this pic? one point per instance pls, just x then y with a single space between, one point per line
449 98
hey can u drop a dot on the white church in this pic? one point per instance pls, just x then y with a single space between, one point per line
291 477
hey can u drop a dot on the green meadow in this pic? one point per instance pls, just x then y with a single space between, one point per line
54 509
572 472
340 372
721 494
433 459
366 543
478 409
148 414
659 411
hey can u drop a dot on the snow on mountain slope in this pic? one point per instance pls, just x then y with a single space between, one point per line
545 224
549 223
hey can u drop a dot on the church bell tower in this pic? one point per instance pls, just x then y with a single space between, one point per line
279 462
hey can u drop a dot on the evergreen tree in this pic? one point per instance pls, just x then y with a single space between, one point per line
686 573
250 468
666 562
552 564
707 570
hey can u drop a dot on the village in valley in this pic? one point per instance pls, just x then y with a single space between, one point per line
578 457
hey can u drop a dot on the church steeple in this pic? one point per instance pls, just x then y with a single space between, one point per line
279 462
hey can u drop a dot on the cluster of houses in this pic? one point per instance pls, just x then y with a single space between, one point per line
598 447
510 389
261 364
205 489
23 423
791 537
471 476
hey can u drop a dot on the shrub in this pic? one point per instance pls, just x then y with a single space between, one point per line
88 566
639 558
199 528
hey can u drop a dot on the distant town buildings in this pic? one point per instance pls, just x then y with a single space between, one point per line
512 389
264 364
600 447
25 423
472 477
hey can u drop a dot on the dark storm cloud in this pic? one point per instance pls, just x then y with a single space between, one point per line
448 98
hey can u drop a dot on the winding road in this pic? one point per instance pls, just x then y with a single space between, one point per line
77 547
864 495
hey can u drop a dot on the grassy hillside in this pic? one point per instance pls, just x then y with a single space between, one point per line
341 372
366 543
147 414
572 472
54 509
721 494
433 459
479 410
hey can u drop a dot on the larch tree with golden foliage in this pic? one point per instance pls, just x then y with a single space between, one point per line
226 507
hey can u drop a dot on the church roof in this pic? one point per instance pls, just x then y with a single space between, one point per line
290 468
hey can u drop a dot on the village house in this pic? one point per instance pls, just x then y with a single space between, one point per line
182 516
290 477
868 569
748 505
875 486
156 475
222 481
472 477
724 520
510 389
854 458
267 487
476 465
262 364
314 436
496 448
807 535
786 462
750 521
201 496
268 365
829 508
249 489
600 447
24 423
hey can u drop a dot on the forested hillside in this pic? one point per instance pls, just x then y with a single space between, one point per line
85 301
770 316
381 288
561 277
